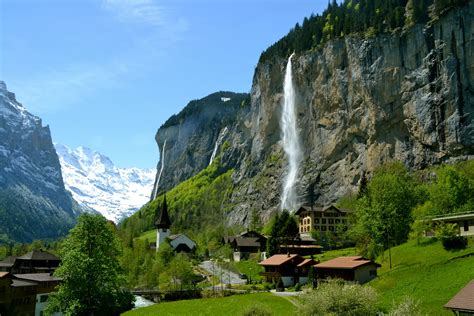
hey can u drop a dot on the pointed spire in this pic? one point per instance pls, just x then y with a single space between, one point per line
163 219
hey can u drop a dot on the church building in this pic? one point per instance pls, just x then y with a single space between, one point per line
179 242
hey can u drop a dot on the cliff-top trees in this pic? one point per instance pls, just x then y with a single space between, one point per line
90 271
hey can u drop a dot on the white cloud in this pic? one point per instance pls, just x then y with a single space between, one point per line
137 11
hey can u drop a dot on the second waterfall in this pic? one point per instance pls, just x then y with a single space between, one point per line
290 141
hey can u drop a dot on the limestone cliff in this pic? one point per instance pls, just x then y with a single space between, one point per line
360 102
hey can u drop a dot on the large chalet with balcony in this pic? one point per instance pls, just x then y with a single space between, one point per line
324 219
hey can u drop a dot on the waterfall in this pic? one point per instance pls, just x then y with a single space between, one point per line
290 140
218 143
162 157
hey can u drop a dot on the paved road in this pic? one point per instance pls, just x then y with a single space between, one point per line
225 275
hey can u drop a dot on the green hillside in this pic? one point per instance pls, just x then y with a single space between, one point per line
232 305
425 272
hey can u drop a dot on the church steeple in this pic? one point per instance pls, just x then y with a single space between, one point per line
162 224
163 219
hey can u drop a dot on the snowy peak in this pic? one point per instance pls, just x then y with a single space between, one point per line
98 184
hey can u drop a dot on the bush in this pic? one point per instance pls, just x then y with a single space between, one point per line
279 286
407 307
338 298
448 233
256 310
297 287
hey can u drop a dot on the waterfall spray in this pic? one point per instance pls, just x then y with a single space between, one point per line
162 157
218 143
291 144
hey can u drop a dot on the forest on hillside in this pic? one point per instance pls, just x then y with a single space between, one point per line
366 18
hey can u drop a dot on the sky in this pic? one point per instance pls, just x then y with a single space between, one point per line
106 74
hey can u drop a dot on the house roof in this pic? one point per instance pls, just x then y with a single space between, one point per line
322 209
307 262
37 277
247 241
22 283
3 274
39 255
278 260
173 237
464 299
163 219
351 262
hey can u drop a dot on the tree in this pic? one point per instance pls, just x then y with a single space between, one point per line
90 271
384 214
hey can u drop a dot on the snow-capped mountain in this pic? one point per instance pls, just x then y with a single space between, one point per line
96 183
33 201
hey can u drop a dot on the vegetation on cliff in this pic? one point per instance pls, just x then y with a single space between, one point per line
363 17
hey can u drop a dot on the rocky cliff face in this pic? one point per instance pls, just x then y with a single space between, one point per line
33 201
204 127
360 103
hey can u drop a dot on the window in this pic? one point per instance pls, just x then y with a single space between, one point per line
338 221
330 221
43 298
316 220
331 228
343 221
323 228
466 226
316 227
323 221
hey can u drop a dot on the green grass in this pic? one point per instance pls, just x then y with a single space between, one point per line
150 235
425 272
232 305
250 268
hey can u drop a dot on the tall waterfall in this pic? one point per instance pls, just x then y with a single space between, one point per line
290 139
162 157
218 143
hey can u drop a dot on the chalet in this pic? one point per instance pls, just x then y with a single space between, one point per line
36 261
246 243
355 268
463 302
464 221
179 242
304 245
329 218
45 285
291 269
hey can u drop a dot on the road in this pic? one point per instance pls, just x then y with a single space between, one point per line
224 275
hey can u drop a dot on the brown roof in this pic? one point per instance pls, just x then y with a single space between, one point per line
39 255
3 274
345 263
38 277
307 262
322 209
247 241
277 260
464 300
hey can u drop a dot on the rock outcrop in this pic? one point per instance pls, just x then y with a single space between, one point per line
360 103
33 201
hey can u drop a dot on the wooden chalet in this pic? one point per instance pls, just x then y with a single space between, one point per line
355 268
246 243
36 261
291 268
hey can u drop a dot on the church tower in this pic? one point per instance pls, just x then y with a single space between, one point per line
162 225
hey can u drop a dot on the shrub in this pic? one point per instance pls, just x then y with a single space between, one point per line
407 307
338 298
256 310
448 233
297 287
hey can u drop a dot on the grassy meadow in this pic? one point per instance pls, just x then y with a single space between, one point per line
229 306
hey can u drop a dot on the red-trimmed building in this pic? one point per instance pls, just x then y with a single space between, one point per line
291 269
355 268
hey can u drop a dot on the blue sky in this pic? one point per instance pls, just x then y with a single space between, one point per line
106 74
